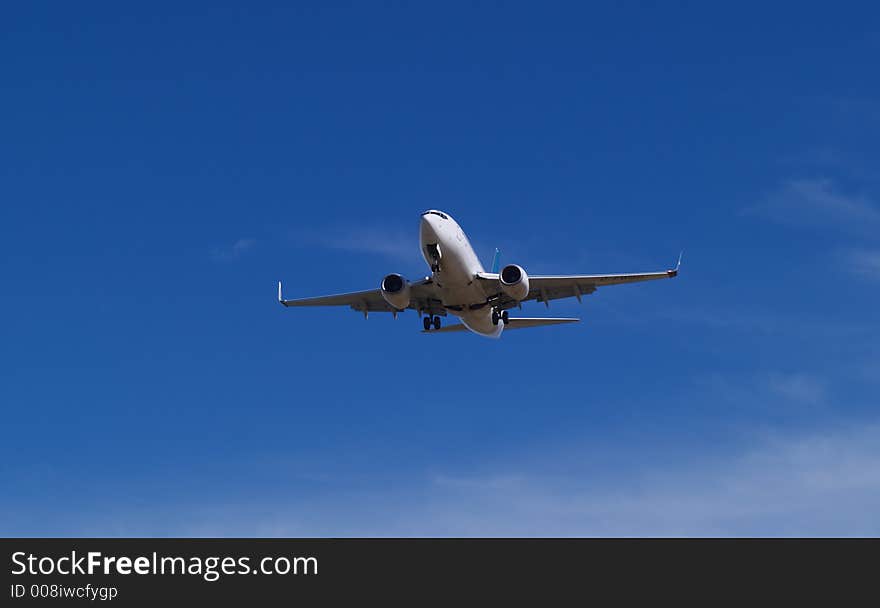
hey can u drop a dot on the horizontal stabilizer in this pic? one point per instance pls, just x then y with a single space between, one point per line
512 324
537 322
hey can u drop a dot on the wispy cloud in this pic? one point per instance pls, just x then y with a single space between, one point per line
235 251
797 387
757 321
768 392
819 202
863 262
389 241
817 483
821 483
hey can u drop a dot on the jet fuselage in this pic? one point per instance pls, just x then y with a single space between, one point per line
454 266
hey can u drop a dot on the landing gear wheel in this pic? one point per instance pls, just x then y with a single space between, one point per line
436 322
495 317
505 317
426 323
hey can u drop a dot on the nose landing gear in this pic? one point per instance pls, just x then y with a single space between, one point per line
433 253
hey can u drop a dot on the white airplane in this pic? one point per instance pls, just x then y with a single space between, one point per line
458 285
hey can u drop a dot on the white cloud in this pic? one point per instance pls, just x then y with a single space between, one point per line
863 262
775 393
797 387
820 483
242 245
762 321
387 241
235 251
824 483
818 202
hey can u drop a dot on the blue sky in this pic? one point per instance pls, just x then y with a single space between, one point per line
161 168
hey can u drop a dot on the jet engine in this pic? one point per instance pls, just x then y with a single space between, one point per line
395 290
515 282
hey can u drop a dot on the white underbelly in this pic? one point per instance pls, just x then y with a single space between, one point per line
480 322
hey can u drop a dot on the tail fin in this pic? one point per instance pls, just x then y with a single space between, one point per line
495 260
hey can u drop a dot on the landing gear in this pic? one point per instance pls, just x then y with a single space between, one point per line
432 251
503 316
428 322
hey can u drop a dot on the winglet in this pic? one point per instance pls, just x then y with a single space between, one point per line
495 260
280 298
674 271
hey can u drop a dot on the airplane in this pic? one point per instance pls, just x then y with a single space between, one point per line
459 286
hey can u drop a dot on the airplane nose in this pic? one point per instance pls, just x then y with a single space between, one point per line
427 228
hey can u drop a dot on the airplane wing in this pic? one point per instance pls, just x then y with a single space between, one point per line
520 323
371 300
543 288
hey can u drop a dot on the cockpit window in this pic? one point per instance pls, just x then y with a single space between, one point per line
432 212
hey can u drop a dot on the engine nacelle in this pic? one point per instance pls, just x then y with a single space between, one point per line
515 282
395 290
